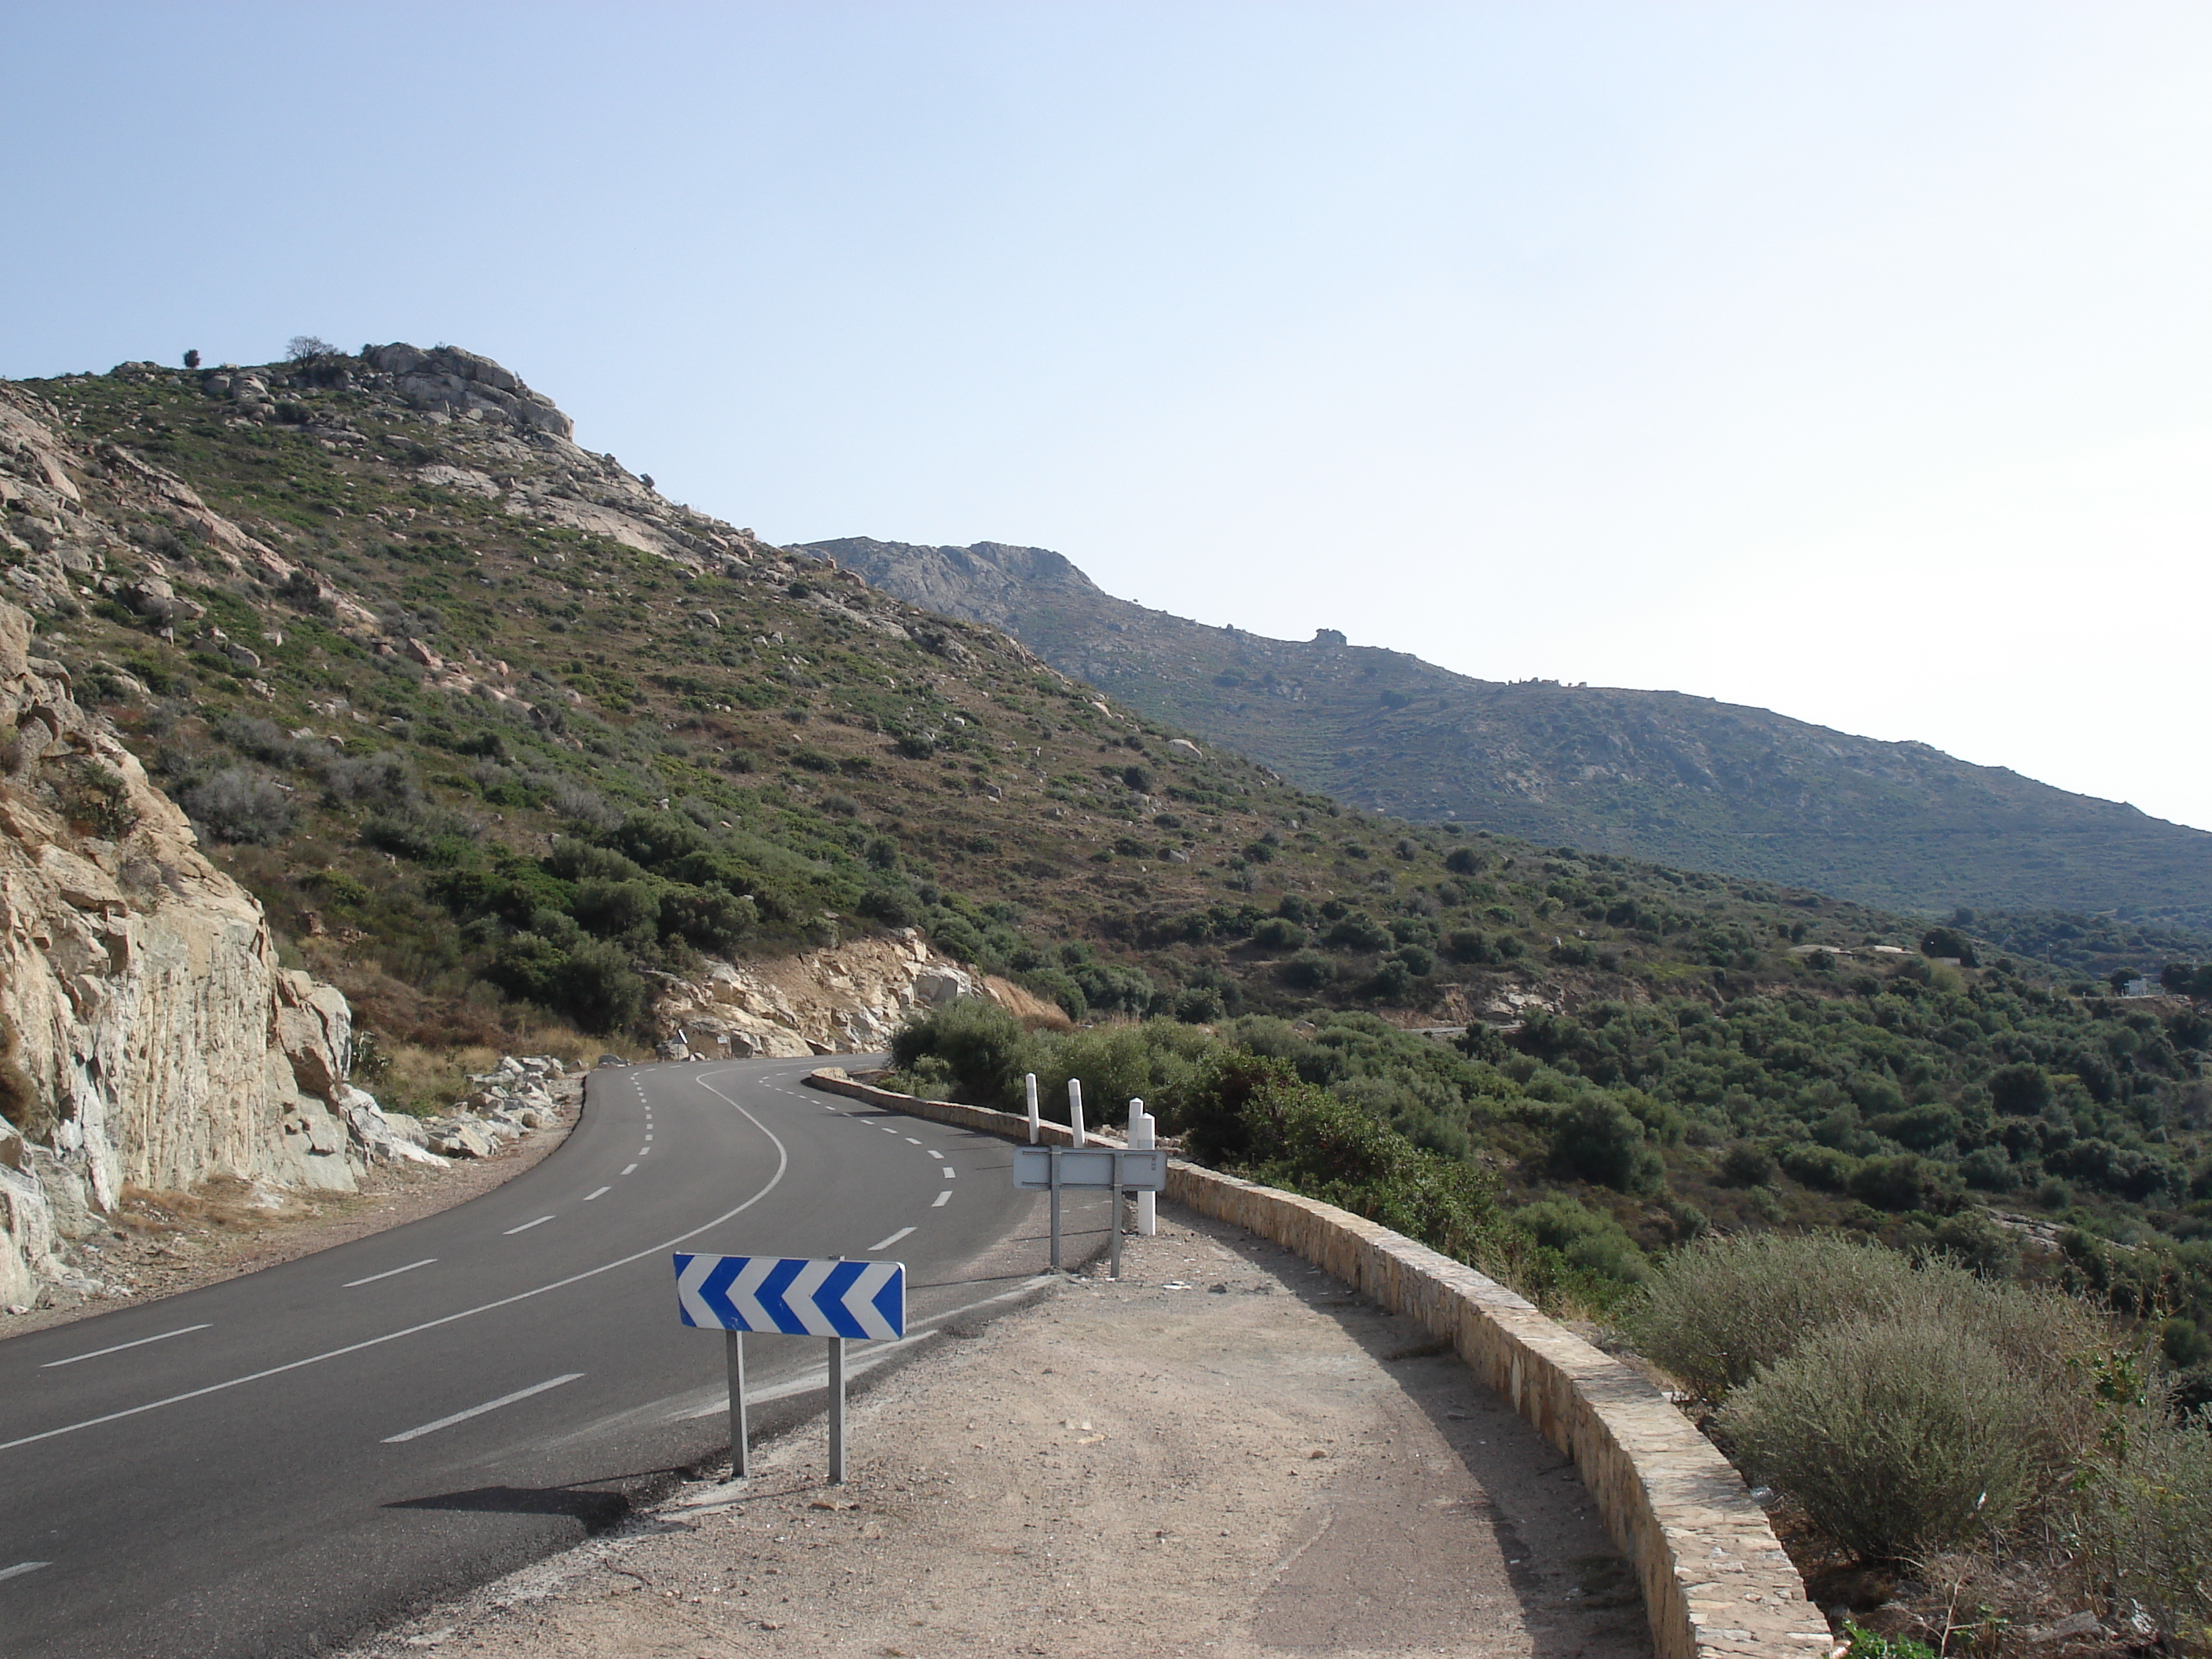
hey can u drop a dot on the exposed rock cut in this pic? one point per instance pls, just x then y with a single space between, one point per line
156 1040
846 999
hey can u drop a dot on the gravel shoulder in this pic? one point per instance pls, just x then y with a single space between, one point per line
158 1245
1226 1453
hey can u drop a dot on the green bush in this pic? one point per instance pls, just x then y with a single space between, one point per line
1723 1308
982 1048
1156 1062
1898 1435
1600 1140
1586 1238
2145 1526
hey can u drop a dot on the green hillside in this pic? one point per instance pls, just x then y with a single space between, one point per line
1677 780
498 733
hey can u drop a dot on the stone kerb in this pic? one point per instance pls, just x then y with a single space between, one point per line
1716 1582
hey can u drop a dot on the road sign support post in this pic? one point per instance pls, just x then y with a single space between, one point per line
1114 1216
1055 1210
735 1341
836 1411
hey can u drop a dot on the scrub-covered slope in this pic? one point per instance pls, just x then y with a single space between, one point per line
1654 774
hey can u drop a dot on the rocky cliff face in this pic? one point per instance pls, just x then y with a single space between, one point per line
155 1039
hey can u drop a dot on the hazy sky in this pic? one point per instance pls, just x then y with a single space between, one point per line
1854 359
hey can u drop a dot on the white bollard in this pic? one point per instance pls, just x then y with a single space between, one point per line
1075 1113
1029 1081
1142 1128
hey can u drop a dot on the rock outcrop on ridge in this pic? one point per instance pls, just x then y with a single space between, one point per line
154 1037
847 998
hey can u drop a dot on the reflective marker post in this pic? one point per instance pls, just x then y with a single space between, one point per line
1028 1083
1143 1136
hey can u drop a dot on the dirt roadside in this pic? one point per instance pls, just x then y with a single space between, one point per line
1224 1453
158 1245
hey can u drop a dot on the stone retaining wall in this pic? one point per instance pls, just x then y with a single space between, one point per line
1716 1582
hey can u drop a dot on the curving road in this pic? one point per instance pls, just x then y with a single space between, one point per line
283 1461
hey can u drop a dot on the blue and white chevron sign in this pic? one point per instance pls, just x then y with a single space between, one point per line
792 1296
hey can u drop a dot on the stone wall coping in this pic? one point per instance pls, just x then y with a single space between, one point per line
1676 1508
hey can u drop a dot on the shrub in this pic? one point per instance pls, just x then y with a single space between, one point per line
1600 1140
2145 1525
95 795
1588 1238
383 782
1290 1133
1725 1307
983 1048
1278 934
1309 970
1898 1435
1156 1062
1819 1166
1903 1182
240 804
1360 931
614 909
1747 1164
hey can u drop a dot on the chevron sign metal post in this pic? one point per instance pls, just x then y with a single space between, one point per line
790 1296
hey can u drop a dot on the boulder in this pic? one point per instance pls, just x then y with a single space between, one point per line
464 1141
934 986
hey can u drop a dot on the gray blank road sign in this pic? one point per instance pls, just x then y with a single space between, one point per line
1091 1166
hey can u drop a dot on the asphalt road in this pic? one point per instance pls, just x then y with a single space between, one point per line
283 1461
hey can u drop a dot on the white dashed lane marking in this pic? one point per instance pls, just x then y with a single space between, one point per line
941 1200
22 1567
601 1192
186 1330
389 1273
527 1226
950 1172
885 1244
627 1168
478 1411
937 1155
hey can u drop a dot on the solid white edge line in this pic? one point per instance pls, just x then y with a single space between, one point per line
22 1567
478 1411
782 1163
98 1353
941 1200
388 1272
526 1226
602 1192
885 1244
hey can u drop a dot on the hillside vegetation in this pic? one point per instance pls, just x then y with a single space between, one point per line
1677 780
493 728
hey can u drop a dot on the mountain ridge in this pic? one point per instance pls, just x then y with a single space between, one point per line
1665 775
